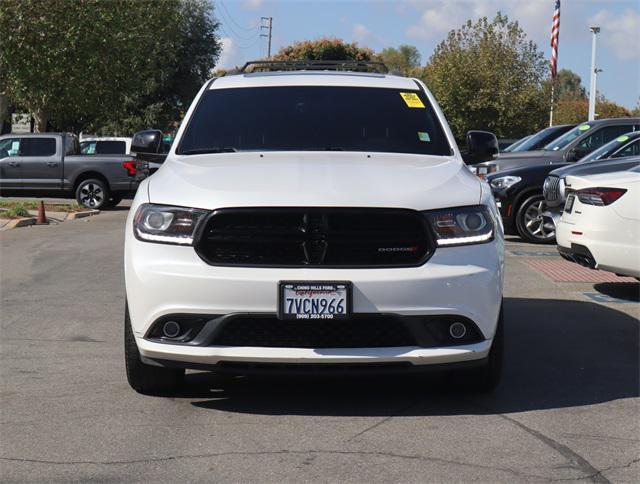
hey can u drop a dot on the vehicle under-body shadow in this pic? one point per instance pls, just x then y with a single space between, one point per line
558 353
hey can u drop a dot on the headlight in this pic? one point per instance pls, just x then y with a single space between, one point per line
165 224
462 225
506 181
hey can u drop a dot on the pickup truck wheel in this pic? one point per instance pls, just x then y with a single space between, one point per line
113 201
530 223
147 379
92 193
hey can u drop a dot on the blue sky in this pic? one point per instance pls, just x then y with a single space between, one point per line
424 23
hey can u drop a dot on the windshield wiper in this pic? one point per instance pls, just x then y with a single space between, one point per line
203 151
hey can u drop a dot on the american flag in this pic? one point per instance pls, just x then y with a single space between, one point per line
555 35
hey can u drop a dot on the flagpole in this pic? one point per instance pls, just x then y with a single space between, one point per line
555 36
553 84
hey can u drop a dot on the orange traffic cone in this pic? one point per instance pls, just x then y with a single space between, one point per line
42 217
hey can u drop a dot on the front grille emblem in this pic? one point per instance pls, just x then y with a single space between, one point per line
315 228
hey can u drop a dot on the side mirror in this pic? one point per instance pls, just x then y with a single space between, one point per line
576 153
481 146
147 141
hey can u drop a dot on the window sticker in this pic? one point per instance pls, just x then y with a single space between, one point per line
584 127
412 100
422 136
622 139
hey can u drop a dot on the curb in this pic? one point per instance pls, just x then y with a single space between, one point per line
86 213
19 222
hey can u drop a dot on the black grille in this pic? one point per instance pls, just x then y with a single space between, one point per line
370 332
551 189
315 237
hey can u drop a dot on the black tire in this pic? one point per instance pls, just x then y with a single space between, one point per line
93 193
147 379
114 201
485 378
531 225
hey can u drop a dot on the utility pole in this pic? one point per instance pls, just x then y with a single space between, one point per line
594 75
267 24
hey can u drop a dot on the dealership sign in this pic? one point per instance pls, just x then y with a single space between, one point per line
21 123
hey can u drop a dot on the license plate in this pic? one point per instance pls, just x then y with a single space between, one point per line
569 205
314 300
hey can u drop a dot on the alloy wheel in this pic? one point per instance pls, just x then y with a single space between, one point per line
92 195
535 224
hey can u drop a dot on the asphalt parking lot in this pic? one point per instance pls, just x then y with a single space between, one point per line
567 408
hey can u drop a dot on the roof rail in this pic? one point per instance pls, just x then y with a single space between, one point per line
314 65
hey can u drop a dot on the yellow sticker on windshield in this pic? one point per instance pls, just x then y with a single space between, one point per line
412 100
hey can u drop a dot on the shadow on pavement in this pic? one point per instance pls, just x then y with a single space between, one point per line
627 291
558 354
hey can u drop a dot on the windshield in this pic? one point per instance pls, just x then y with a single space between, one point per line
314 118
568 137
535 141
516 145
606 150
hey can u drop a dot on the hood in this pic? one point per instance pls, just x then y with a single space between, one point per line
520 154
338 179
525 158
597 166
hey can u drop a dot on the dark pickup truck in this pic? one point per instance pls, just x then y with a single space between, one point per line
571 146
48 164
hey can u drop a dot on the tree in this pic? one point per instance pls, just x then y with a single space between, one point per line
195 51
608 109
568 85
570 110
405 59
324 49
487 75
89 63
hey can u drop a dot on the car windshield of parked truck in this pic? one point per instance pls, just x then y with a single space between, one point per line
515 146
535 140
568 137
314 118
606 150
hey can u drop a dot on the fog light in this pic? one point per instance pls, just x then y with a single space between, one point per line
457 330
171 329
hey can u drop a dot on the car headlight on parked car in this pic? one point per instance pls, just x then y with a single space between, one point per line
462 225
506 181
165 224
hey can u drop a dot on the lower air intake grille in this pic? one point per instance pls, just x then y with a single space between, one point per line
371 332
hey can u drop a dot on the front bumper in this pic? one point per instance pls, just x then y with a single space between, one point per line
167 279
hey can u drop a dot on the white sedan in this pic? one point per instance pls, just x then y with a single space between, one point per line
600 225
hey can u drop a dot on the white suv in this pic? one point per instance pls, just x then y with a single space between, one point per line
309 220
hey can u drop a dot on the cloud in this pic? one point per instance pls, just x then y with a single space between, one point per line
621 34
438 17
363 36
360 33
229 53
252 4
